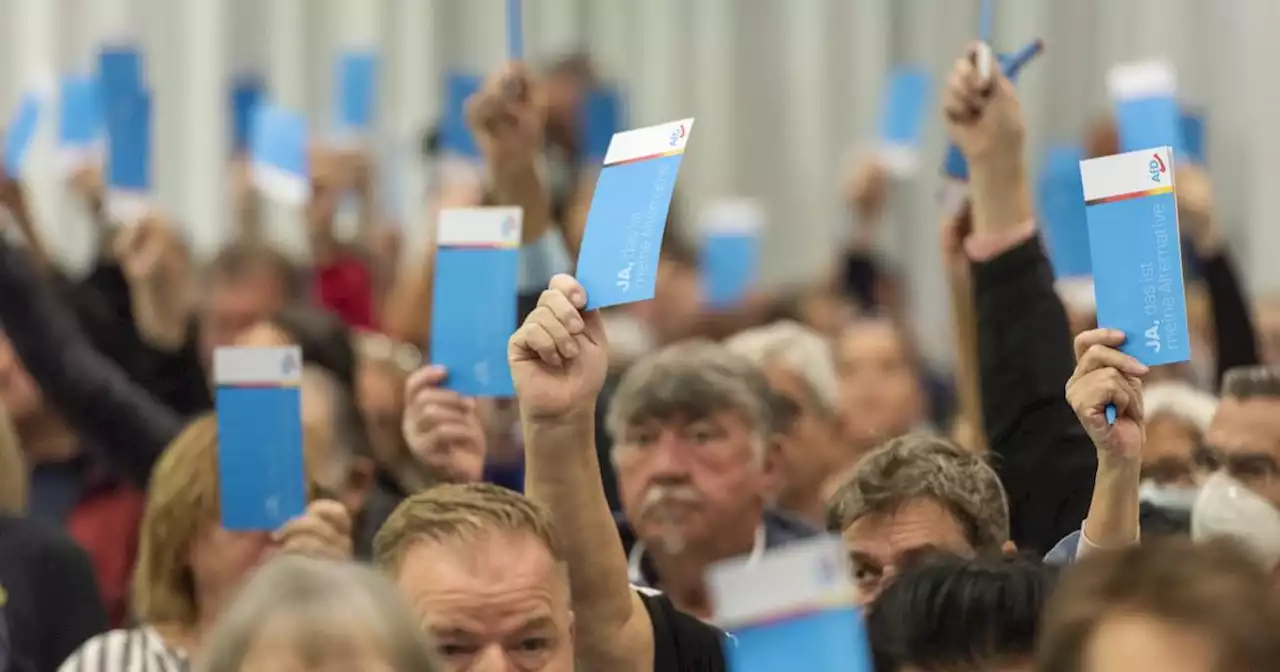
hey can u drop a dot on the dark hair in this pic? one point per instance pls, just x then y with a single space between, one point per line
1213 588
243 257
325 339
1249 382
948 612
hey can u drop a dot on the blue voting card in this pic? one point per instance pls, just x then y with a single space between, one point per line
120 71
901 118
1146 106
455 136
246 94
473 309
731 232
79 112
357 91
262 479
515 30
601 118
1060 201
1192 126
278 152
1136 252
794 608
618 260
19 134
129 144
954 165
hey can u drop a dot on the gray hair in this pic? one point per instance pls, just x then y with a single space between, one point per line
692 380
1180 400
923 466
798 349
320 598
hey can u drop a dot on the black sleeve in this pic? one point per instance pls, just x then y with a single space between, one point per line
1237 344
860 277
98 399
71 605
1044 457
177 378
682 643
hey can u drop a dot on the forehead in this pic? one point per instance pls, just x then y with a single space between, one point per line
871 336
1246 426
913 525
491 564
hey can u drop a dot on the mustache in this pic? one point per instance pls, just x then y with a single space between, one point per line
662 493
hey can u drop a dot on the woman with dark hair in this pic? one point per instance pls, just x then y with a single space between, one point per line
952 614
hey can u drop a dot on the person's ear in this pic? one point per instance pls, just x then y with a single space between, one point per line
360 480
1009 548
775 463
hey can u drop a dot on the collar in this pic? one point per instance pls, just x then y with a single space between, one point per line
636 558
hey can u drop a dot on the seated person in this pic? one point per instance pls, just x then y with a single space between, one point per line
309 615
801 370
482 569
950 614
1168 604
189 566
696 452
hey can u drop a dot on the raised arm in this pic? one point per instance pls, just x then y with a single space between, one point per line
1045 460
558 361
93 394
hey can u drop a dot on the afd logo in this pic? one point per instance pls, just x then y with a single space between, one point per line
678 135
509 227
1156 168
288 366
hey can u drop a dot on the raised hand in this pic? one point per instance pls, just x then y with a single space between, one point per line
1195 208
984 117
1103 376
559 356
442 427
157 268
509 129
323 531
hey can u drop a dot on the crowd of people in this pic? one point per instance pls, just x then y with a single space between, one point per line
994 519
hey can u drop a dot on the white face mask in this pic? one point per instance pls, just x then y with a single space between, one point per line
1171 497
1228 508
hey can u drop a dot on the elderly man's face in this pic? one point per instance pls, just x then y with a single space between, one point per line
811 450
1168 455
1245 438
683 480
879 545
496 603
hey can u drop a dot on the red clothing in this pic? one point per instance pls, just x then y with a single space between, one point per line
345 286
105 523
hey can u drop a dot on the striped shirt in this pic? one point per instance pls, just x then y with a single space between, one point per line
135 650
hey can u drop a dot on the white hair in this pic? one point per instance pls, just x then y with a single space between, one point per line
800 350
1182 401
317 599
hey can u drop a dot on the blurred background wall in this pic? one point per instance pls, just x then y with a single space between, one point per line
783 91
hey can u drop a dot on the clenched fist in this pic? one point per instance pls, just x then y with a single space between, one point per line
559 356
1103 376
983 114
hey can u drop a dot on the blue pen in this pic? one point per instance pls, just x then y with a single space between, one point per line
515 30
1012 65
985 20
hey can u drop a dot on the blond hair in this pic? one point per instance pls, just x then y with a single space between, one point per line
13 468
181 500
460 512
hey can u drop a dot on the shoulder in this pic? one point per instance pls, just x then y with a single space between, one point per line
40 541
1064 552
781 528
681 643
135 649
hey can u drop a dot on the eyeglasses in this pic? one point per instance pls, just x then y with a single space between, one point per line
378 347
